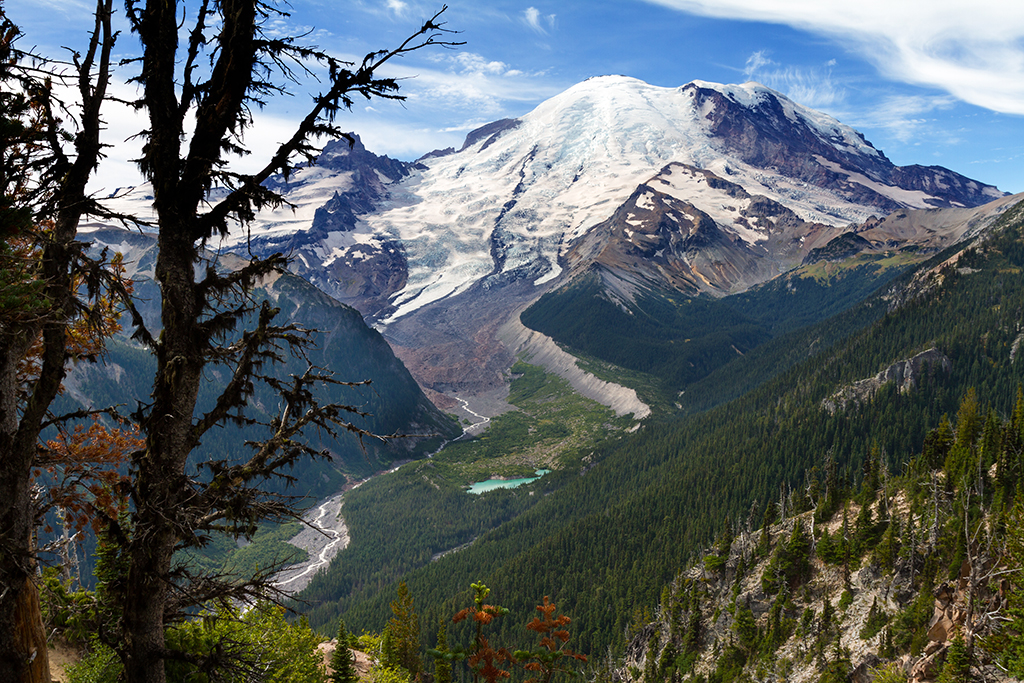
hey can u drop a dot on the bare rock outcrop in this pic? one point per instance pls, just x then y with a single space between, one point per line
906 373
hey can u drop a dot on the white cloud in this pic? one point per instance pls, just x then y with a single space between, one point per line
813 86
535 20
66 6
397 6
472 63
973 50
905 117
755 63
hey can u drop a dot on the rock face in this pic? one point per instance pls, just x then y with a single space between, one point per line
346 183
904 373
768 131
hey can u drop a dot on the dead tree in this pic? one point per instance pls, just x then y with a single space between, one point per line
227 65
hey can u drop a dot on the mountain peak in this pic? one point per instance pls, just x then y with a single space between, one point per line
700 187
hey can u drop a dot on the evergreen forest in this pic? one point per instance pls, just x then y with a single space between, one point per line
613 536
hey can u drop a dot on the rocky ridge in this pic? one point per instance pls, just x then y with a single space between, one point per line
905 373
731 592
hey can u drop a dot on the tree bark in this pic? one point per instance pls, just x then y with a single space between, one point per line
23 653
161 482
15 521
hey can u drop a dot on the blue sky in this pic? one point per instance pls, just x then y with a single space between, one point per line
928 82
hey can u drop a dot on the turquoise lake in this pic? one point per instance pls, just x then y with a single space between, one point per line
491 484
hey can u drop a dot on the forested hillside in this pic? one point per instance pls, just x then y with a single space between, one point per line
391 403
606 544
682 340
404 520
912 575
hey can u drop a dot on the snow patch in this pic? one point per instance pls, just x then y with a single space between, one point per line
645 201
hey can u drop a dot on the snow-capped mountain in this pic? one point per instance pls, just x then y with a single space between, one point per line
702 188
762 178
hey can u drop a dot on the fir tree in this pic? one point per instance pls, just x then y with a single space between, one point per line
957 668
1013 644
745 627
764 542
343 665
442 663
404 628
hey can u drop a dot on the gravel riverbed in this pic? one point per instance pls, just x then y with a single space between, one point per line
323 537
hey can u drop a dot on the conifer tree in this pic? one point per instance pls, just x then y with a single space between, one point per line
957 668
47 284
387 658
484 661
442 664
869 484
745 627
938 443
1013 645
826 622
1011 449
343 665
764 541
198 89
404 628
546 659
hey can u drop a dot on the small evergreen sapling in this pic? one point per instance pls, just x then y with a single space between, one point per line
343 665
483 660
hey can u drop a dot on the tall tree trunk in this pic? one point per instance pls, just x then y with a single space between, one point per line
23 653
28 629
161 483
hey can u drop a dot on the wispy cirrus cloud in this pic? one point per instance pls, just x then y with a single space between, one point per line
477 94
972 50
810 86
540 23
904 117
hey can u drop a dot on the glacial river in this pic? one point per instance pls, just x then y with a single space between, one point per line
326 534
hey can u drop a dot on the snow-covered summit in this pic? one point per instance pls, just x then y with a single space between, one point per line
508 205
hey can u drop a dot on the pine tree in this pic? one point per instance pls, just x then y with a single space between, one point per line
387 657
745 627
1013 645
442 664
764 542
938 443
551 655
404 628
826 622
957 668
343 665
869 484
